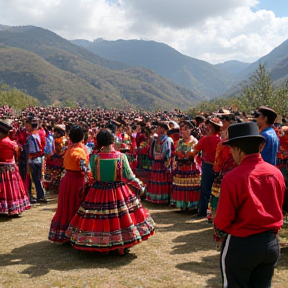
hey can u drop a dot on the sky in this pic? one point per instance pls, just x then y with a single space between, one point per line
211 30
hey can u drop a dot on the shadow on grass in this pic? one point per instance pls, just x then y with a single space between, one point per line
45 256
168 221
283 260
202 240
206 267
6 218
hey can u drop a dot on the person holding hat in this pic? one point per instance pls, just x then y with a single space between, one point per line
186 176
13 197
265 118
207 145
160 182
249 213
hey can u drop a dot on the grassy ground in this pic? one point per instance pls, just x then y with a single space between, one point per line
181 254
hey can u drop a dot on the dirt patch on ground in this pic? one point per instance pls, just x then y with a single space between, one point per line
181 254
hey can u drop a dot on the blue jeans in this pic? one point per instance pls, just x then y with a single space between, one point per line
207 179
36 174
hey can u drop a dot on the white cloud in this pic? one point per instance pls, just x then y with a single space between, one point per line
214 31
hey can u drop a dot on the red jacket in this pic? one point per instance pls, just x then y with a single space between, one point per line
251 198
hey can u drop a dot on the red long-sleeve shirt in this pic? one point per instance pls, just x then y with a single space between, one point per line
251 198
208 145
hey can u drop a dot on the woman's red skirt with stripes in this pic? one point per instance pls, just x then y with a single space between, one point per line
13 197
111 217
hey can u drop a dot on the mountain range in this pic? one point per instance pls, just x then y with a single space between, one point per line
119 74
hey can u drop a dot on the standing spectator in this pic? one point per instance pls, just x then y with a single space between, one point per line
249 211
13 197
35 159
186 176
265 118
160 182
207 145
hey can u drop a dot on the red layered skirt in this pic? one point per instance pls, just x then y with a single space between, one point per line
186 186
111 217
69 200
13 196
160 183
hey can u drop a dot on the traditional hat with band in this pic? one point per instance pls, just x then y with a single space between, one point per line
245 130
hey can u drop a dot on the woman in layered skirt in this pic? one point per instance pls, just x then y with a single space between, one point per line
111 216
13 196
69 196
160 177
186 176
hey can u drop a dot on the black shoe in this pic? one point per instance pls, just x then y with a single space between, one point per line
43 200
33 201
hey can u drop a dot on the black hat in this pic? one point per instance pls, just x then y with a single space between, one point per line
266 111
243 130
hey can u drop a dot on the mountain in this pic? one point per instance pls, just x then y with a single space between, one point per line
271 61
276 63
55 71
232 67
196 75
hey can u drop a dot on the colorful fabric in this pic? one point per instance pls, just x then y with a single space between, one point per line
53 172
109 218
13 196
186 176
34 147
159 186
112 166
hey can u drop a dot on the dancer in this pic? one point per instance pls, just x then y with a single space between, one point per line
111 217
69 197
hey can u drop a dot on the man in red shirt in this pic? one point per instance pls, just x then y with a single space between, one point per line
249 212
207 145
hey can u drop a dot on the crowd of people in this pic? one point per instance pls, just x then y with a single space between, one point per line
229 167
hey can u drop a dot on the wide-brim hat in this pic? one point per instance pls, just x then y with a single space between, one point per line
188 123
163 124
6 124
60 127
266 111
216 121
245 130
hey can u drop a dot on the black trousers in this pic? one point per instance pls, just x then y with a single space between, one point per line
248 262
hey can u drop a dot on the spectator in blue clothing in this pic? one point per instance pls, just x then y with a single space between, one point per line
35 159
265 118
